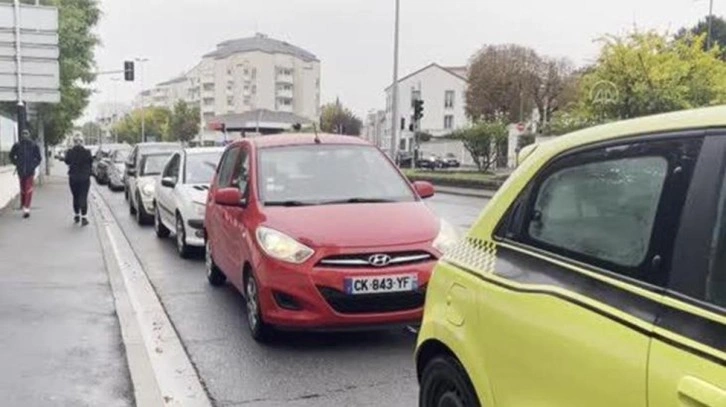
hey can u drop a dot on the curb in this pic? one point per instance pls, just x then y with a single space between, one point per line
474 193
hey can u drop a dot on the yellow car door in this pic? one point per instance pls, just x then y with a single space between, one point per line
570 302
688 353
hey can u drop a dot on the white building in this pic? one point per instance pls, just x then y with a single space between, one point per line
374 126
443 91
246 75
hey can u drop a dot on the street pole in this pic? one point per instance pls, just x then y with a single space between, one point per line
21 112
394 91
710 25
141 62
115 113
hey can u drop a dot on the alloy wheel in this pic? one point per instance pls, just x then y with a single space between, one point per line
253 309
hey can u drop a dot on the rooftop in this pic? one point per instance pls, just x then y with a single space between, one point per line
260 42
252 117
297 139
459 72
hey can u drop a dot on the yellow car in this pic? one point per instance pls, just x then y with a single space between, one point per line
596 277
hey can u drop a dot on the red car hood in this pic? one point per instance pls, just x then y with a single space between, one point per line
356 225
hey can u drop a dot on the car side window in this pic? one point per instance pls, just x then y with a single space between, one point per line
603 210
241 176
172 167
716 277
227 167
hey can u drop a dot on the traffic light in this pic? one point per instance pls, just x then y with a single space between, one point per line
129 74
418 109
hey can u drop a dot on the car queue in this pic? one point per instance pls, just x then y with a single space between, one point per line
594 276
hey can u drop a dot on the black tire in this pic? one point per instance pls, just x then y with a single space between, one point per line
214 275
181 235
444 382
142 218
162 232
260 331
132 210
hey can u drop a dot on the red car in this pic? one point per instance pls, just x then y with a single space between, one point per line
320 232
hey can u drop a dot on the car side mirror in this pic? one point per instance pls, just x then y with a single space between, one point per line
424 189
168 182
229 197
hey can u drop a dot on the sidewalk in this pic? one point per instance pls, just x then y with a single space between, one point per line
60 341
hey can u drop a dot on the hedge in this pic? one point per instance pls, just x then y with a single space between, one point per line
473 180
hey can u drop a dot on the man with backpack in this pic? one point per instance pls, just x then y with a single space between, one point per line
25 155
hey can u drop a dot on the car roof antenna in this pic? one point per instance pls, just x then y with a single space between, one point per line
317 137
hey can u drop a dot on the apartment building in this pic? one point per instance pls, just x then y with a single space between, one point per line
246 75
443 90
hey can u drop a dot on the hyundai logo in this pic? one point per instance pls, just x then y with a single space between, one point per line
379 260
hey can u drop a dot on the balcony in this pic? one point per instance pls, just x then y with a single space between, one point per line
284 93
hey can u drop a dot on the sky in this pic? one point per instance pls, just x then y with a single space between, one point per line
354 38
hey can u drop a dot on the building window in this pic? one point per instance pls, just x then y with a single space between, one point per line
403 123
415 95
449 99
448 122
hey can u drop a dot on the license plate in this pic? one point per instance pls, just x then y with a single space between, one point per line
381 284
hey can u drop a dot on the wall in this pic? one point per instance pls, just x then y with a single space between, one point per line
9 187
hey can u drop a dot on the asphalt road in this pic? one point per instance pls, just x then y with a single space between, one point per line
351 369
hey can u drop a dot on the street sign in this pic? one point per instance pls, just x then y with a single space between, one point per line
39 53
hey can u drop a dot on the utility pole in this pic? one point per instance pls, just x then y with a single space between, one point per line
21 111
394 90
141 62
115 113
710 25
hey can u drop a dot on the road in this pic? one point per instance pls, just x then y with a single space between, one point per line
351 369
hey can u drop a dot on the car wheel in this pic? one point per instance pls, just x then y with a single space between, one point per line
162 231
214 275
141 215
260 331
444 382
132 210
181 238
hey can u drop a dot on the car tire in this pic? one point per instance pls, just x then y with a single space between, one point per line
132 210
162 232
445 382
142 218
214 275
259 330
181 236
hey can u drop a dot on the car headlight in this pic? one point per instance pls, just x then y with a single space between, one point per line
148 189
199 208
282 247
447 238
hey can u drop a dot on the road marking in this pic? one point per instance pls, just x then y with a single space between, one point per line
160 367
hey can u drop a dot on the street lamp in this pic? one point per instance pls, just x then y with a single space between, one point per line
710 25
142 64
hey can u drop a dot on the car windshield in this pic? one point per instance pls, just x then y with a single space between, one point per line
310 175
200 167
121 156
153 164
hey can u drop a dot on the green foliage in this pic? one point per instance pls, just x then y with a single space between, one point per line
718 33
184 122
157 125
564 122
77 41
648 73
337 119
485 141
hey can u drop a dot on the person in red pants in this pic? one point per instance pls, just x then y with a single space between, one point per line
25 155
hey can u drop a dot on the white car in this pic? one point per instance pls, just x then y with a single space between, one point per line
181 196
142 184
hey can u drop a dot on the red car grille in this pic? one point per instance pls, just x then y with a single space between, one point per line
363 260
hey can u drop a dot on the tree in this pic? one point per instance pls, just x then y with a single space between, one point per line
554 86
484 141
77 41
337 119
718 33
648 73
91 132
184 122
157 125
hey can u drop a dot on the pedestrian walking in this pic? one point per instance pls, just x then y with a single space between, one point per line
25 155
79 162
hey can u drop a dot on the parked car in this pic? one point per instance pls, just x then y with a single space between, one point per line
116 168
102 161
450 161
595 277
141 189
134 160
404 159
324 234
181 196
429 161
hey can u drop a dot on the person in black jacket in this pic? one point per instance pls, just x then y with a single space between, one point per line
79 161
25 155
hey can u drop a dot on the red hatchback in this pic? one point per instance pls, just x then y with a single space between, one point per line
320 233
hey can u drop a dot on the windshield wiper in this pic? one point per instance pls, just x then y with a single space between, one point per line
358 200
288 203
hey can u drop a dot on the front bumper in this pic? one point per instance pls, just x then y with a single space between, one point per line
195 233
148 204
313 297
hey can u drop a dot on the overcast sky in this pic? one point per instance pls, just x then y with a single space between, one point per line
353 38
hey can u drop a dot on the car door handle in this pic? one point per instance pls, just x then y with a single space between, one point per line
704 393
